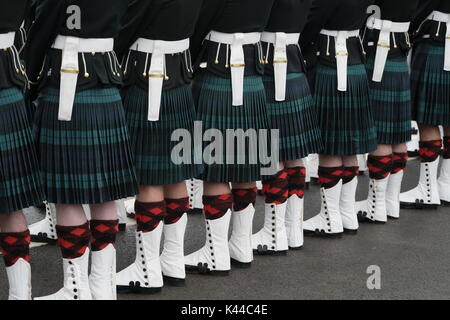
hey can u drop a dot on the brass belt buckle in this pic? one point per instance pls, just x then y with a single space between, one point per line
69 70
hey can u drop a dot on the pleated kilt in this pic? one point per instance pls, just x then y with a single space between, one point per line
430 85
20 181
87 160
345 118
151 140
213 99
391 102
295 118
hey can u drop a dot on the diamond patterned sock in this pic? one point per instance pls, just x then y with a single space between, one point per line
446 153
330 176
15 245
149 215
379 166
74 240
103 233
296 181
175 208
216 207
242 198
275 189
400 160
429 151
349 174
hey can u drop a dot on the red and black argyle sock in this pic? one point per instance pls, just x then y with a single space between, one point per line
275 189
296 181
103 233
216 207
400 160
330 176
446 152
149 215
379 166
175 208
15 245
349 174
73 240
242 198
429 150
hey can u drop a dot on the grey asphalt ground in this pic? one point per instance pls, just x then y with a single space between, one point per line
413 255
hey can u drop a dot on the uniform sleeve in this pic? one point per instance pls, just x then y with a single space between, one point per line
137 17
321 11
210 11
49 17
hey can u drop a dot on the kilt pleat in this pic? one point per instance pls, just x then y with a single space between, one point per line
20 181
345 118
151 140
391 102
295 117
213 98
86 160
430 85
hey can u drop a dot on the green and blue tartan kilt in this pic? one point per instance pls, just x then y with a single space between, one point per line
20 181
345 118
391 102
151 141
213 99
295 118
86 160
430 85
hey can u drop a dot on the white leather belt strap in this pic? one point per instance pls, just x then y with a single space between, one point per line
156 74
280 41
341 54
7 40
70 47
236 41
386 27
443 18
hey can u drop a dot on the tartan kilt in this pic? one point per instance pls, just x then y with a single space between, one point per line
295 118
151 140
20 180
430 85
213 99
86 160
391 102
345 118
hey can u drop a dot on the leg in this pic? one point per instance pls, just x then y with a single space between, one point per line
380 164
15 244
215 255
328 223
272 238
172 257
347 203
426 194
400 159
444 175
294 209
73 239
104 226
240 244
145 274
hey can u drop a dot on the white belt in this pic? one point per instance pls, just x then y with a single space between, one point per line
443 18
70 47
386 27
7 40
280 41
156 74
236 41
341 54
